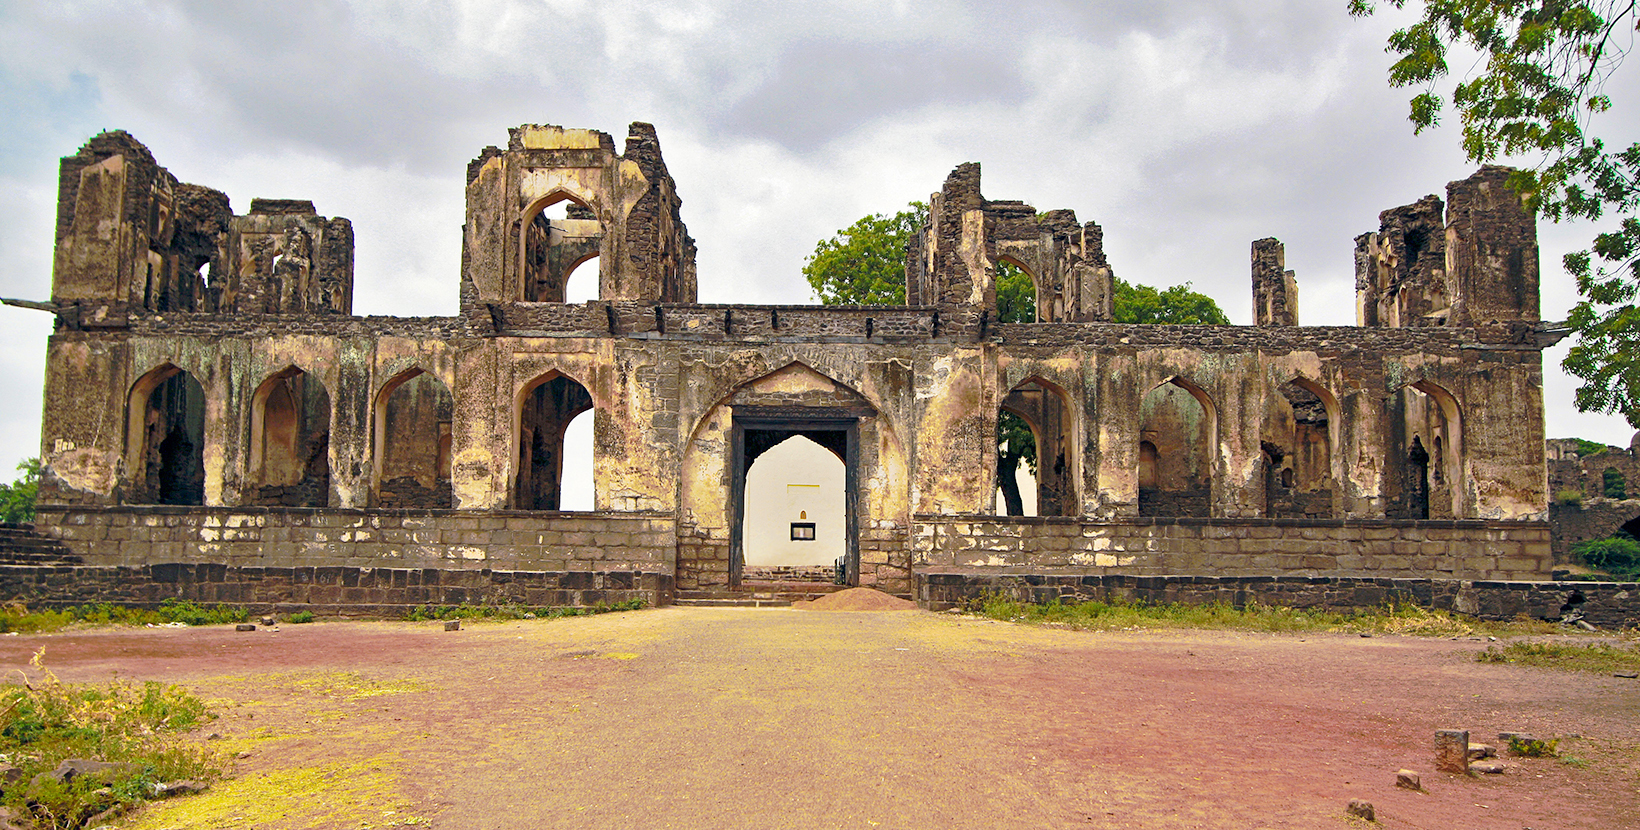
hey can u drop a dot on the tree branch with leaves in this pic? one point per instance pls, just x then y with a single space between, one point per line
1533 100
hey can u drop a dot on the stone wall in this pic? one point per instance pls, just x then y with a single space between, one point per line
1234 547
1603 604
328 591
1593 519
297 537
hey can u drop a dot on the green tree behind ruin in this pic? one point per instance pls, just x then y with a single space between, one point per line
17 498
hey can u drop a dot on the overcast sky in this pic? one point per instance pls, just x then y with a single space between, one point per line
1186 129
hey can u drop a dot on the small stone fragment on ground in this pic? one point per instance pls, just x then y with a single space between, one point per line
1630 675
1487 767
1452 751
1362 810
9 775
452 625
186 786
1479 751
1408 780
245 627
268 621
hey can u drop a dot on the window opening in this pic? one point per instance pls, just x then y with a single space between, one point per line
413 443
545 415
1179 427
558 238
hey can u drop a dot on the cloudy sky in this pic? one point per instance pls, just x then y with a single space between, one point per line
1187 129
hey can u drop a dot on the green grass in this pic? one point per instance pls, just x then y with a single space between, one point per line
518 612
45 721
1604 658
17 617
1103 616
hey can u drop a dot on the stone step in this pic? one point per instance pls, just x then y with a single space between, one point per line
731 602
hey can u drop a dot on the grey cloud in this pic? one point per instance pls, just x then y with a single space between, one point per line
820 91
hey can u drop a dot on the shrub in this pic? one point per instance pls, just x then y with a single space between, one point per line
1569 498
301 617
1533 747
17 498
45 721
1615 555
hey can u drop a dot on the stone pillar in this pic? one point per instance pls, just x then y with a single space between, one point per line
1275 294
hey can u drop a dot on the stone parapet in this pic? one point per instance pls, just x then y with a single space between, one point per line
328 591
1605 604
1465 549
448 540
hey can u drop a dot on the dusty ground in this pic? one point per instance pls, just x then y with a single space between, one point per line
774 718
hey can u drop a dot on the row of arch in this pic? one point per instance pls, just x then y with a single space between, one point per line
288 442
1302 464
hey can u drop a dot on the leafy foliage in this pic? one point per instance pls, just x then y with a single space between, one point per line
1612 484
1525 747
45 721
1176 305
1537 90
1590 657
1585 447
864 264
1616 555
17 498
17 616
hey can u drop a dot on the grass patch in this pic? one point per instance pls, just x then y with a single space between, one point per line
518 612
1604 658
1120 616
1533 747
300 617
45 721
17 616
361 794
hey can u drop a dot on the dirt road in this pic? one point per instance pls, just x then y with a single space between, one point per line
784 718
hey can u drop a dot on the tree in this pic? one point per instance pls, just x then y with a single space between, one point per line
17 498
864 264
1534 97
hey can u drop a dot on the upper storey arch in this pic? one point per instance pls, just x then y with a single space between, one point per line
623 209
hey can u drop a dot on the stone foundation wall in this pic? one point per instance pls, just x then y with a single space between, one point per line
333 537
1609 605
329 591
1236 547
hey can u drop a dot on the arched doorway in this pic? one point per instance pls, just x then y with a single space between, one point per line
547 406
290 441
412 433
165 439
1177 440
758 429
795 520
560 232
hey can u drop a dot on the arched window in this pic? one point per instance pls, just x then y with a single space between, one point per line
546 408
560 232
290 441
1301 483
1016 293
412 437
1426 459
1036 455
166 438
1179 423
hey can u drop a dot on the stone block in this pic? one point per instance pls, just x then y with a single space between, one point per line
1452 751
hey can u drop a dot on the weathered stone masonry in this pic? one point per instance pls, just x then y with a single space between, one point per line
210 362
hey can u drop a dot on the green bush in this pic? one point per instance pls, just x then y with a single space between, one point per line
1569 498
45 721
17 498
1533 747
17 616
1616 555
301 617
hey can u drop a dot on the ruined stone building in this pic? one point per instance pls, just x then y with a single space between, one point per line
214 409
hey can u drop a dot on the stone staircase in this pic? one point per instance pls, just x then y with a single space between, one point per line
767 587
21 544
